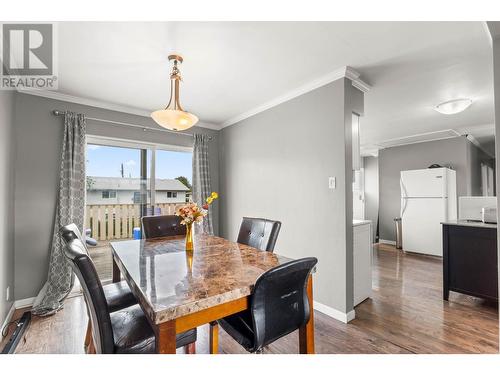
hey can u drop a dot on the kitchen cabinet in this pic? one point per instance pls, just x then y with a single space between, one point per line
362 260
470 259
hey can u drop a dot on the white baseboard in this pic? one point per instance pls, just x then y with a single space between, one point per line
9 316
28 302
334 313
388 242
19 304
22 303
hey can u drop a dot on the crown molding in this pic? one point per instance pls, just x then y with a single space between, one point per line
373 148
488 128
478 129
369 150
409 140
487 30
344 72
357 82
492 29
104 105
476 143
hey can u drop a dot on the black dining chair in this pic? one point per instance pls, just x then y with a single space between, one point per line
126 331
162 226
278 306
259 233
118 295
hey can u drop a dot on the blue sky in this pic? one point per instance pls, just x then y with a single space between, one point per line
106 161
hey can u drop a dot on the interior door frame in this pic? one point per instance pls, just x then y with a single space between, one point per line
359 190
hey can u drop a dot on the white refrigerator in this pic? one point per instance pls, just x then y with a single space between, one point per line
428 197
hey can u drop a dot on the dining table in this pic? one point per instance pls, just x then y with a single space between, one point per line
179 290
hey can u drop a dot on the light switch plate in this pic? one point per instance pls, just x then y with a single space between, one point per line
332 182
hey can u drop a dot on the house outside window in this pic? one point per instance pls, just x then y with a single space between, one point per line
137 197
109 194
171 194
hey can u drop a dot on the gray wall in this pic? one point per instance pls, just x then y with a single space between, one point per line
6 201
38 141
276 165
459 153
370 165
449 152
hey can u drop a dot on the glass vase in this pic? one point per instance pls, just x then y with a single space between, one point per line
189 237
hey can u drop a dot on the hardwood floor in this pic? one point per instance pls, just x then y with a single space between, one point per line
405 315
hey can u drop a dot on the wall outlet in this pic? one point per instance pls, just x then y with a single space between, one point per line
332 182
7 294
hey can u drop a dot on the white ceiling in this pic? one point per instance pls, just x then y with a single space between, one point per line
231 68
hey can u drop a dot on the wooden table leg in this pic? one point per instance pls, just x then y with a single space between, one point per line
116 272
91 349
165 337
190 348
214 338
306 333
88 336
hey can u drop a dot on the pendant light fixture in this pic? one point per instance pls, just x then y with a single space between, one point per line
173 117
454 106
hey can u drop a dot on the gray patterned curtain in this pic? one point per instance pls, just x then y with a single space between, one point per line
70 208
201 178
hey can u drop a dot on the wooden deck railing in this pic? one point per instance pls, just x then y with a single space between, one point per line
109 222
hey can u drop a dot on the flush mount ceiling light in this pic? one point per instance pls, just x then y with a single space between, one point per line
173 117
454 106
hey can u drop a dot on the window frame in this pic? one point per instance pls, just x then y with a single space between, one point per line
109 191
139 145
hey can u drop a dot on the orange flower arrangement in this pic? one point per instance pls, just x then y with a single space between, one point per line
192 213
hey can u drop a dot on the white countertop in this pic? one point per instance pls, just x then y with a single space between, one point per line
465 223
355 222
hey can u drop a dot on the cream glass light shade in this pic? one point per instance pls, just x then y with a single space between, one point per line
453 106
174 119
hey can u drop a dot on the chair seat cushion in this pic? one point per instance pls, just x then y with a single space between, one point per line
239 327
134 335
118 296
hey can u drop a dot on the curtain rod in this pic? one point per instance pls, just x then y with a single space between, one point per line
57 112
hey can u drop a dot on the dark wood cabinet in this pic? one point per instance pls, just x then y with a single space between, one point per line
470 260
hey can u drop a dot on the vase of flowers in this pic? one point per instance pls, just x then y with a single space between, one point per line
191 213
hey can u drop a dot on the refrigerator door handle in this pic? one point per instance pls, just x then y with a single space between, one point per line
404 193
404 197
404 203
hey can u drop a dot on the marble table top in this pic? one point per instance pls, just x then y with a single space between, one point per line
170 282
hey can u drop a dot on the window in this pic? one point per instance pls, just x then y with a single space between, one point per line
151 177
487 180
172 178
137 197
108 194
